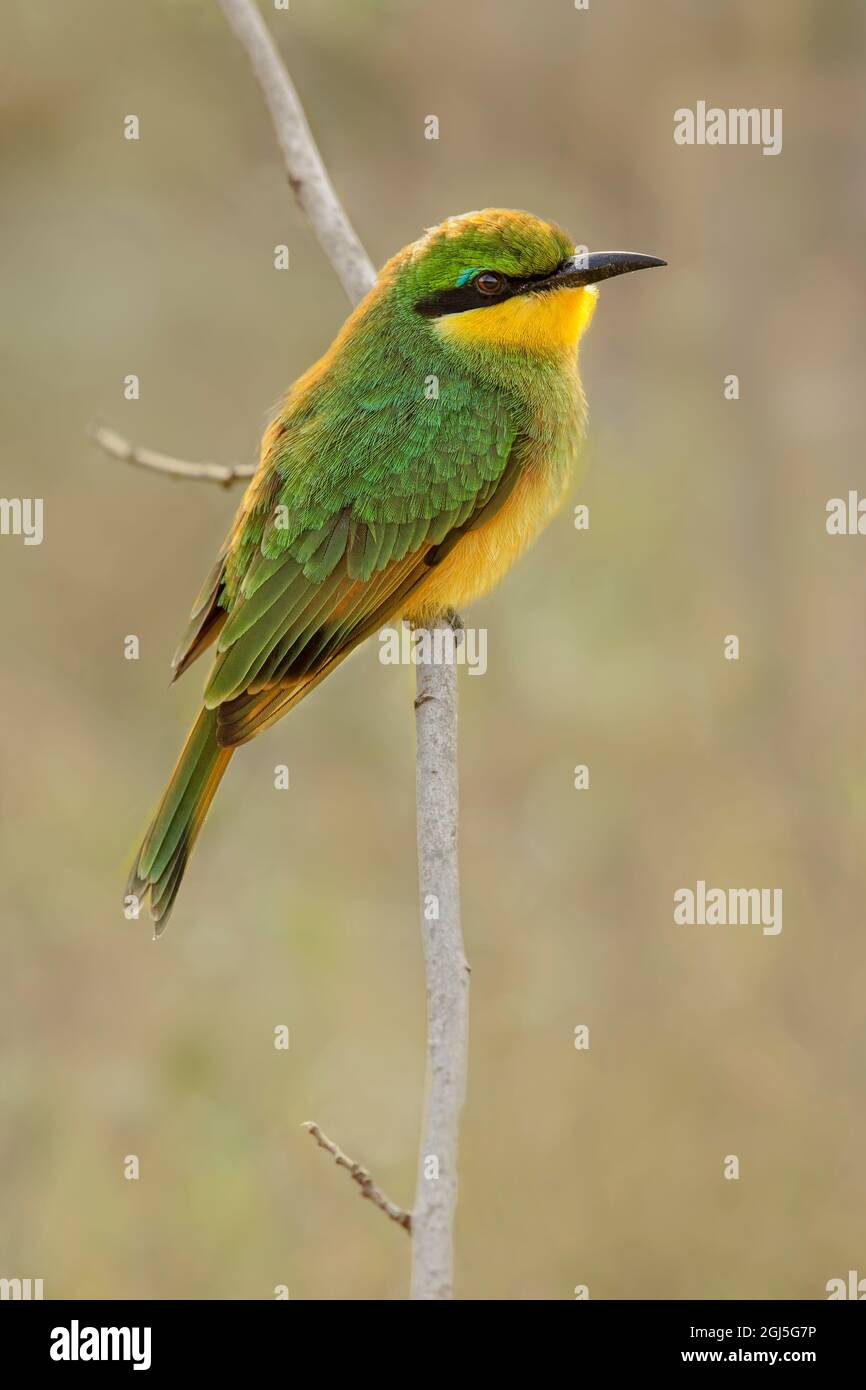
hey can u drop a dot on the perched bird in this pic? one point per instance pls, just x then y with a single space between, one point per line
405 473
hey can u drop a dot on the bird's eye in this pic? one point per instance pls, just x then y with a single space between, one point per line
489 282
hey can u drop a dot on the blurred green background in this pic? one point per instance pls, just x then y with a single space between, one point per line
605 647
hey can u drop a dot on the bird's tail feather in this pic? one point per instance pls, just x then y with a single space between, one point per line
160 863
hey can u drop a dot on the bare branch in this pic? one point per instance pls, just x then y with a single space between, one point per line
447 971
120 448
307 174
359 1175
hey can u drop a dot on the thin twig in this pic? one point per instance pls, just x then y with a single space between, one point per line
447 971
224 474
360 1175
307 174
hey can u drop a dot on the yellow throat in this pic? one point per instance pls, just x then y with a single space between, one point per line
534 323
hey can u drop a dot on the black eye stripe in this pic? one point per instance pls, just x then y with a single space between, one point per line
462 297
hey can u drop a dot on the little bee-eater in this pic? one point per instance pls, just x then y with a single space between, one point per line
404 475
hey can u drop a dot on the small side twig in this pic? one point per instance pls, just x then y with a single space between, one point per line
224 474
360 1175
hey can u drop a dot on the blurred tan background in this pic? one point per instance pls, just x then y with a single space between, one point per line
707 518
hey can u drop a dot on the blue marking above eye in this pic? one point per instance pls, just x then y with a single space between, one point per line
466 275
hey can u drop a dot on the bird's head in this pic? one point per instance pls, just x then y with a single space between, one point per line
499 279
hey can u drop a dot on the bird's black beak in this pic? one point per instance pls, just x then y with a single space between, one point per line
592 266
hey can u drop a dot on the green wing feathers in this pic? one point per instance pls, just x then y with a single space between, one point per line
358 495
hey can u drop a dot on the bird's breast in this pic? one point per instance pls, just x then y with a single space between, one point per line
486 554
